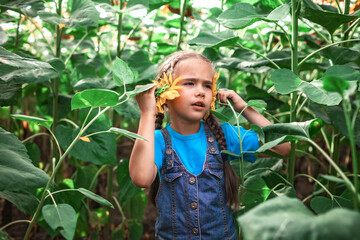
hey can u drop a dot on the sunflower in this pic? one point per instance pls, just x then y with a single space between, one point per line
214 92
167 91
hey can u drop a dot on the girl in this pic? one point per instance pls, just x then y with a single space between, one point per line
197 184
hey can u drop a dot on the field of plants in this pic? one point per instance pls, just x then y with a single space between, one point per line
68 118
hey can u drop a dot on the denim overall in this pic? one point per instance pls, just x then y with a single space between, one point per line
193 206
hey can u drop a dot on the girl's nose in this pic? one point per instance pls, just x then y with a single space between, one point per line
200 92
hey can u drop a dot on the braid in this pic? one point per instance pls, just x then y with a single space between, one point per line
231 179
159 120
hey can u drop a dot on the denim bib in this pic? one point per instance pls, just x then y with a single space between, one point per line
193 206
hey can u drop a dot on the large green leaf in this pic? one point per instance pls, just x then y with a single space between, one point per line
256 191
16 69
323 204
337 117
242 15
24 201
289 219
286 82
328 19
28 7
82 14
219 39
122 74
31 119
283 132
17 173
127 188
93 83
61 217
100 150
10 94
94 98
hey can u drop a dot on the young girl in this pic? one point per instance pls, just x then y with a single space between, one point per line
197 184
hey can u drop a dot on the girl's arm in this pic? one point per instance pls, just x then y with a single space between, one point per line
251 115
142 165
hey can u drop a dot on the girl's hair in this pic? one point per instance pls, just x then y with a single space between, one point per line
231 179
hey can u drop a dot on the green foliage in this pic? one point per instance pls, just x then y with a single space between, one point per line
68 78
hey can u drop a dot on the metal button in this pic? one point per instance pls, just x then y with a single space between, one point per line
213 149
193 205
192 180
195 231
170 162
211 139
168 151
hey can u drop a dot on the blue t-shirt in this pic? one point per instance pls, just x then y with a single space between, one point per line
191 149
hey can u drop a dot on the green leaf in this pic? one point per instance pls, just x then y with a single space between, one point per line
259 132
94 83
122 74
322 204
219 39
138 90
21 6
17 173
94 98
50 17
61 217
335 84
43 122
82 14
95 197
16 69
257 104
239 16
244 14
282 132
3 236
100 150
3 36
290 219
256 191
128 189
329 20
332 178
24 201
10 94
230 153
286 82
126 133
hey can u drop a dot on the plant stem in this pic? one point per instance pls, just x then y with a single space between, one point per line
332 163
327 46
108 197
257 53
119 30
17 32
242 174
36 214
76 46
347 112
294 69
14 222
335 154
345 26
182 14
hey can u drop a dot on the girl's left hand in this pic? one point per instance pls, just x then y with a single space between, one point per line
238 103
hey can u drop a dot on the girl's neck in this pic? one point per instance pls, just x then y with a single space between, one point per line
187 128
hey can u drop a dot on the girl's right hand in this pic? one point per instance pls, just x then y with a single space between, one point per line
146 100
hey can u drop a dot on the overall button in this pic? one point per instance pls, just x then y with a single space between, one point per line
213 149
192 180
195 231
168 151
170 162
211 139
193 205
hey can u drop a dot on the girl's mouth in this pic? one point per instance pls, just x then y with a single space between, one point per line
198 105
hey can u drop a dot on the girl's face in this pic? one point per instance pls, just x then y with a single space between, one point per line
196 95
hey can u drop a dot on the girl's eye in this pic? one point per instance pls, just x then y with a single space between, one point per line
188 83
208 86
